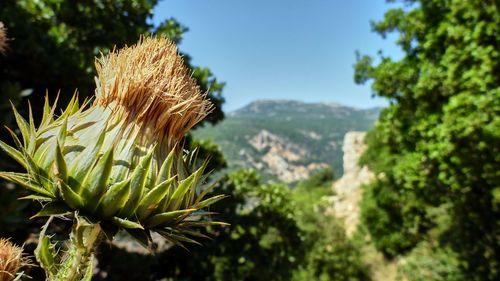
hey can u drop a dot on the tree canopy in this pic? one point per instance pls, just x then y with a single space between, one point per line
52 45
436 148
51 49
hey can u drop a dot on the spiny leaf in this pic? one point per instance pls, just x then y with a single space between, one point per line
46 111
32 131
205 192
167 217
60 164
22 124
53 209
114 199
149 202
126 223
16 140
61 137
73 199
176 242
13 153
166 167
209 201
71 108
44 252
201 223
97 181
84 161
183 238
36 197
25 181
180 192
137 185
186 232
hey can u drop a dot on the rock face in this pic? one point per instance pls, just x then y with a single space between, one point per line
282 157
348 192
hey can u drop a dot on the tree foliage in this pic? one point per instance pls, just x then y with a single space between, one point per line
53 44
436 147
51 49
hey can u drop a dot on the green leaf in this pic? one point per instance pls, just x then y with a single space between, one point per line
46 117
186 232
48 111
60 164
202 223
71 108
36 197
73 199
16 140
97 181
126 223
150 202
22 125
53 209
83 163
169 237
181 191
209 201
166 168
61 137
167 217
13 153
137 183
183 238
44 252
114 199
32 132
25 181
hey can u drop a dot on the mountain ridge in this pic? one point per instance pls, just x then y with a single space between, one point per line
287 140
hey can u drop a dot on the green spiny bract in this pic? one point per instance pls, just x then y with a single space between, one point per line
118 161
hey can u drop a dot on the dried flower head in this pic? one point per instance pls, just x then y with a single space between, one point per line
150 85
11 260
3 38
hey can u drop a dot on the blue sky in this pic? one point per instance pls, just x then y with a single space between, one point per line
282 49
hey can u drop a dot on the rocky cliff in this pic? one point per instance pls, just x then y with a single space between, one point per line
287 140
348 192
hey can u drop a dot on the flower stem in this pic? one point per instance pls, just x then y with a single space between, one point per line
77 262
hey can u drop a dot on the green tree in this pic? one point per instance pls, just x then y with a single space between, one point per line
53 44
436 147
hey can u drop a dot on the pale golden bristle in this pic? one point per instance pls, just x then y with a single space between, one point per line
149 84
11 260
3 38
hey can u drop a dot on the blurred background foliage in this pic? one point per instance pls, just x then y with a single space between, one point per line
436 148
51 49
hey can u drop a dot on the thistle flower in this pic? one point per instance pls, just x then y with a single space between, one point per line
11 260
117 163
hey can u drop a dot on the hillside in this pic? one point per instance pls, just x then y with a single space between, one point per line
287 140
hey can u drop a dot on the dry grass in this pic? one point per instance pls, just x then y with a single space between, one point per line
150 85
